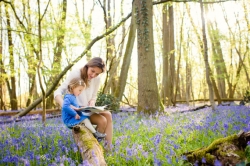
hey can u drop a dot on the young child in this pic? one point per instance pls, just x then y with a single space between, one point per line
71 115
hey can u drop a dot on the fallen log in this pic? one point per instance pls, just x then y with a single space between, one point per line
195 109
91 151
229 151
11 120
12 113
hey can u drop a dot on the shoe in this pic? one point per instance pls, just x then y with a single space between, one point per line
99 139
99 135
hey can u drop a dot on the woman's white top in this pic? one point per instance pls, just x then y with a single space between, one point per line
86 95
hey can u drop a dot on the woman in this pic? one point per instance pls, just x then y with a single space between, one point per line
90 74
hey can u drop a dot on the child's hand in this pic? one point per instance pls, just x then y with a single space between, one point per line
77 116
74 108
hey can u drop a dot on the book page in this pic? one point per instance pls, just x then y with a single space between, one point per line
93 109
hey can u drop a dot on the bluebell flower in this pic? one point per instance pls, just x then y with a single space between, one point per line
129 152
226 126
157 162
75 149
157 139
203 160
248 125
184 157
145 154
95 158
169 159
217 163
171 152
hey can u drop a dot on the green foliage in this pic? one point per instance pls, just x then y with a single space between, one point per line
108 99
247 152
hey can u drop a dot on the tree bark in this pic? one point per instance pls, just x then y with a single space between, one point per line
91 151
127 57
226 150
148 98
165 56
205 54
12 84
168 55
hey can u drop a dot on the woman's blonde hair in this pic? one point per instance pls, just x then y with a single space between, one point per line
75 82
94 62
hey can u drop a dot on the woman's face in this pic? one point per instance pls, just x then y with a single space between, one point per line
93 72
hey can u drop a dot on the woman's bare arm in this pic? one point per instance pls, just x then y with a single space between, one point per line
59 100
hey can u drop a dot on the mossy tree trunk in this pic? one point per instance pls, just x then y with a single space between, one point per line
91 151
229 150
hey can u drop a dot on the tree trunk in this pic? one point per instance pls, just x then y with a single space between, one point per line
91 151
172 75
58 51
229 150
219 63
127 57
188 81
12 87
205 54
148 98
168 55
165 56
111 59
1 68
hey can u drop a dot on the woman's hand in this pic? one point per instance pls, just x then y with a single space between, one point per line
77 116
91 103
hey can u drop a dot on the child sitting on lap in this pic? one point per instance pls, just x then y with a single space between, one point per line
71 115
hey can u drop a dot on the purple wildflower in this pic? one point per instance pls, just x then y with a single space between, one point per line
157 162
169 159
203 160
129 152
184 157
171 152
226 126
157 139
95 158
196 163
217 163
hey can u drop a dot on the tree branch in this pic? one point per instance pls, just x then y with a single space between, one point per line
58 78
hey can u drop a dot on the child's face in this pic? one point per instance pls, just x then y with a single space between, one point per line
77 91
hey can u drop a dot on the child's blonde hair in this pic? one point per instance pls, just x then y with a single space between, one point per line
75 82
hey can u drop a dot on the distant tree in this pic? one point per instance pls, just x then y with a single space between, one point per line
148 98
2 71
111 58
114 55
217 53
168 78
127 57
233 78
204 49
57 51
12 81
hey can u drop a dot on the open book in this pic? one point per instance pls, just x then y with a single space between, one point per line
93 109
